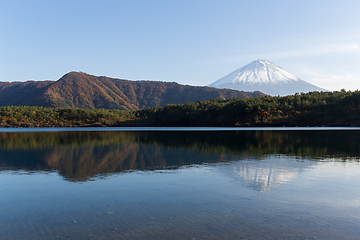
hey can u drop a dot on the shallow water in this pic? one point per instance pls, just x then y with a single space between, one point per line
254 184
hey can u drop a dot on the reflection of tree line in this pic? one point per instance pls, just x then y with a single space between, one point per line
316 144
37 140
81 155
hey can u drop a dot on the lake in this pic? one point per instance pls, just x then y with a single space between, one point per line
180 183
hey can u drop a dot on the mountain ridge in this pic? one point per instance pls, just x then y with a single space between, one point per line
82 90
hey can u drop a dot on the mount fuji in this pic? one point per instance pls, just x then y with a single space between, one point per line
266 77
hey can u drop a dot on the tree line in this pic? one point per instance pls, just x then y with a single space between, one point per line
30 116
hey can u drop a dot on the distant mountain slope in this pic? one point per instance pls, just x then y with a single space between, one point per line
81 90
265 76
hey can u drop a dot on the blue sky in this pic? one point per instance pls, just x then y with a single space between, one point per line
190 42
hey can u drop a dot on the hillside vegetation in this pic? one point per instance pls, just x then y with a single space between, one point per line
311 109
81 90
339 108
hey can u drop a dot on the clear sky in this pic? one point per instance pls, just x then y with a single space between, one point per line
193 42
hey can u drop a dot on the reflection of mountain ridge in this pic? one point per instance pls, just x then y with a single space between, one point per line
79 156
80 163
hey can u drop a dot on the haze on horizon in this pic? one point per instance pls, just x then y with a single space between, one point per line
190 42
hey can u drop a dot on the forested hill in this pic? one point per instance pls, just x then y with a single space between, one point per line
310 109
339 108
81 90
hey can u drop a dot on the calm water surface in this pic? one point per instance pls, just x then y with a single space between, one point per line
233 184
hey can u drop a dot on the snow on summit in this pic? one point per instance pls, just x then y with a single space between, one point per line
259 71
264 76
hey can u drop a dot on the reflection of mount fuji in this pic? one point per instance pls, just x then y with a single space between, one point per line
265 174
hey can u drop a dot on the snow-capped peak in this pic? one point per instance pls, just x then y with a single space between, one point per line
266 77
257 72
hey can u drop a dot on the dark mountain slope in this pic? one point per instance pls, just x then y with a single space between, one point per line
81 90
28 93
